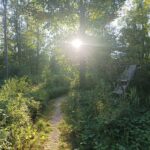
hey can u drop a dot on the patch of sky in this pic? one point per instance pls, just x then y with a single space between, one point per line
118 23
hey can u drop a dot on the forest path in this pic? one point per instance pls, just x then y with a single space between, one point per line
53 140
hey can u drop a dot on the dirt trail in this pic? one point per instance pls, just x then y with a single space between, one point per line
53 139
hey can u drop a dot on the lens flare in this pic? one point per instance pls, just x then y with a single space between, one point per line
76 43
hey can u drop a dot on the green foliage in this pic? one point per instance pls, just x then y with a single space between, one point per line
135 38
82 111
18 110
141 82
36 33
128 132
43 126
57 85
94 122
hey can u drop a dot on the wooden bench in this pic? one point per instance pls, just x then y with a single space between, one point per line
124 80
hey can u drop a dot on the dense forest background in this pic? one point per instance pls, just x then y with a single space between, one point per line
38 63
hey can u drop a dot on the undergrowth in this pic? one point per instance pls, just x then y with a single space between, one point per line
95 120
20 124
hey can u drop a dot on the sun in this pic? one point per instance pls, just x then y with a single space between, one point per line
76 43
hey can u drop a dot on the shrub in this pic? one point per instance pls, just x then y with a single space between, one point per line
97 124
18 109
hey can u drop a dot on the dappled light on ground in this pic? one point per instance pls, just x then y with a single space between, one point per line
53 141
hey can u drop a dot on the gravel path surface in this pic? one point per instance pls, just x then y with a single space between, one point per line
53 139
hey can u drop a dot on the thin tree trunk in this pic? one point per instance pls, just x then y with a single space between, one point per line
143 33
5 37
17 28
82 32
37 53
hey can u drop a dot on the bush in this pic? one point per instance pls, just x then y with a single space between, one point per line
42 125
57 85
142 84
98 125
16 116
54 86
82 112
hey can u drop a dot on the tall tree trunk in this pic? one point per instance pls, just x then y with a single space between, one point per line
17 28
143 33
5 37
82 32
37 53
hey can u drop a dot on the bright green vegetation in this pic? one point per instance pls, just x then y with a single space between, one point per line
22 124
19 126
94 119
77 48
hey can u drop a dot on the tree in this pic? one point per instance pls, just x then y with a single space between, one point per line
5 37
17 28
81 35
135 33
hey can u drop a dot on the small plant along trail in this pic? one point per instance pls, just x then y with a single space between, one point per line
53 139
